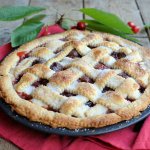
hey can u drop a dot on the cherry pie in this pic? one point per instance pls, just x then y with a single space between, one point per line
77 79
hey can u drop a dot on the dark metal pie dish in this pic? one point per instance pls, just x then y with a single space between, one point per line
64 131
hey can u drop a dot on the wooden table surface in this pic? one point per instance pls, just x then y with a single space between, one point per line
137 11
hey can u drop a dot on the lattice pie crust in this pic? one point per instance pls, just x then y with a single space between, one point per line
77 79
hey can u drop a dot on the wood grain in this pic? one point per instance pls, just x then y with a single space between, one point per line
144 7
127 10
55 8
4 145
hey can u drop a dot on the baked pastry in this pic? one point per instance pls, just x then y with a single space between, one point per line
77 79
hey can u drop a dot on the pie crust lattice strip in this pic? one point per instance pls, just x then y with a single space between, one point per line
77 79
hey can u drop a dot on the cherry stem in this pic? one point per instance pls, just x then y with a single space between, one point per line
59 21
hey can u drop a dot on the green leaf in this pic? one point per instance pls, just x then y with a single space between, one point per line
94 25
10 13
25 33
36 18
67 23
147 26
131 39
108 19
100 27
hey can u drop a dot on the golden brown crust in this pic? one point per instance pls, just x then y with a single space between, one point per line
40 70
67 79
134 70
64 78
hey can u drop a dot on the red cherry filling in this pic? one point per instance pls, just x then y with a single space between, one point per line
22 55
67 94
118 55
89 103
48 107
129 99
141 89
106 89
91 46
57 51
17 79
73 54
110 111
56 67
24 95
101 66
106 39
43 45
38 61
86 79
40 82
124 75
63 39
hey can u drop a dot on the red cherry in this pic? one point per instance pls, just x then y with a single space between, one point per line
24 95
86 79
74 27
21 54
136 29
81 25
100 66
131 24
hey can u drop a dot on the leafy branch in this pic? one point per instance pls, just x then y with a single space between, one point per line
100 21
29 29
147 26
107 19
107 22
